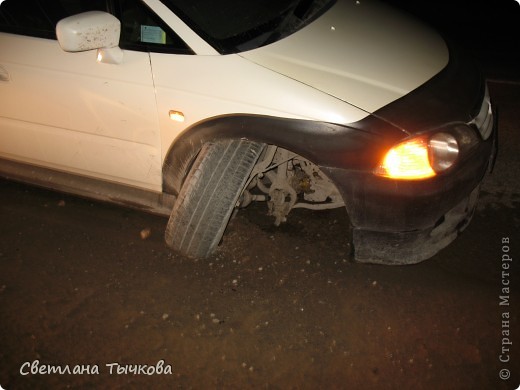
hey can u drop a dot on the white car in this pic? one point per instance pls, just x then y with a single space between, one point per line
191 109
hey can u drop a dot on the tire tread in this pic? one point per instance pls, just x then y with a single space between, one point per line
209 195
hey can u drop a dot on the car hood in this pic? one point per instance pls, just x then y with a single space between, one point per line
362 52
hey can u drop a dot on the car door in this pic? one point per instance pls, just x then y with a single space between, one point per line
68 112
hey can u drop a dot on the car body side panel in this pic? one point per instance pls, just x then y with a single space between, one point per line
205 87
72 183
67 112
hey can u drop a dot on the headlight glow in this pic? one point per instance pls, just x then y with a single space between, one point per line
419 158
408 160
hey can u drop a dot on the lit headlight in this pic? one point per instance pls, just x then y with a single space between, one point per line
408 160
419 158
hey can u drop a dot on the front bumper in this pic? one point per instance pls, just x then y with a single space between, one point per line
403 222
411 247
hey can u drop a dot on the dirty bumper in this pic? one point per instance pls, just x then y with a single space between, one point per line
414 246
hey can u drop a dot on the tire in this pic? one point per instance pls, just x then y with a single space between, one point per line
209 195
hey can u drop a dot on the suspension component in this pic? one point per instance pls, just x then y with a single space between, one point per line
286 181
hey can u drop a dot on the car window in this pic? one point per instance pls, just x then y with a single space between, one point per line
232 26
39 17
141 29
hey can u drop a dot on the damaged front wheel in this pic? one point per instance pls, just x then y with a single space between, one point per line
209 195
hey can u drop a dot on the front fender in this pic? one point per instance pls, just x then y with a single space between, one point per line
355 146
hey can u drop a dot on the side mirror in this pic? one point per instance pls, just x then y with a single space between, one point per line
91 30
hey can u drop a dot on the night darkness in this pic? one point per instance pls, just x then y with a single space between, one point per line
489 30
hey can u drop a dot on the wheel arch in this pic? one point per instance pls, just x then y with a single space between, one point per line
325 144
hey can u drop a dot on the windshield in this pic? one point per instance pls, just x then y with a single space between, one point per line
232 26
